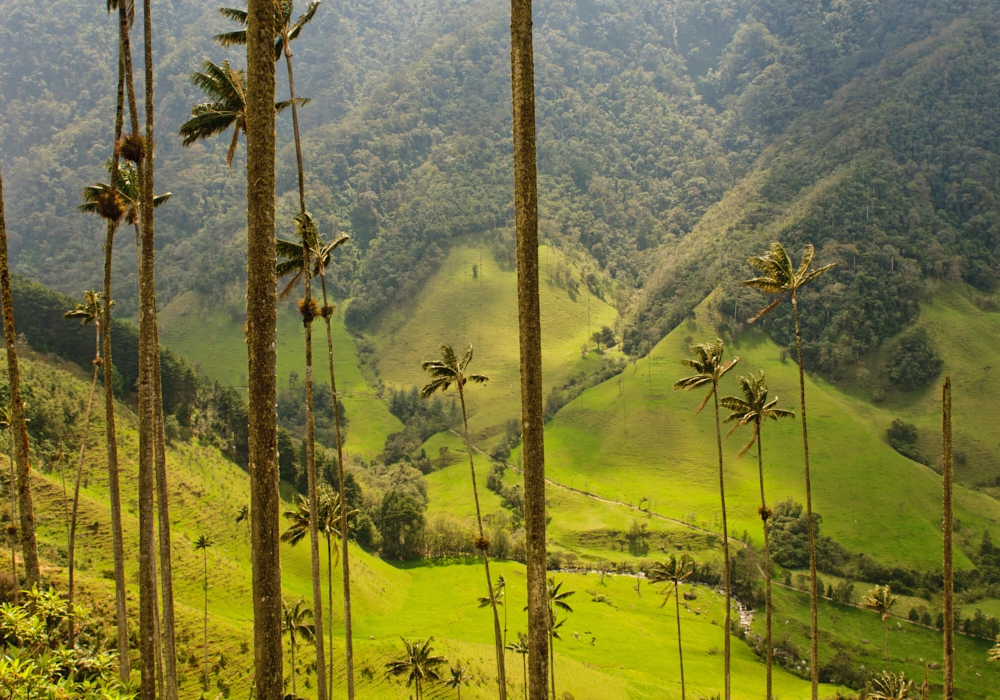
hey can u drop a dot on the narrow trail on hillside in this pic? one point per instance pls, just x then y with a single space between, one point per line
611 501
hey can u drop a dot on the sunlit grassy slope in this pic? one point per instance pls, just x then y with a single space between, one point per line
458 308
213 341
624 650
651 444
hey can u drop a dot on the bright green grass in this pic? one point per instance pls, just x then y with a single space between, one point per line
454 308
213 341
910 646
873 500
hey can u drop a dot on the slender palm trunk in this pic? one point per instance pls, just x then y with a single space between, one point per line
329 593
949 575
725 543
680 645
204 554
522 68
813 586
18 428
552 663
344 535
13 515
484 548
524 672
118 540
261 320
888 661
76 487
764 517
317 588
295 691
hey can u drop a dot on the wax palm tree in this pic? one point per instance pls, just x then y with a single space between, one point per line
753 409
557 598
948 568
881 600
226 89
261 343
994 653
112 215
458 677
244 517
889 686
19 429
447 371
88 313
293 261
282 17
499 591
418 664
674 571
780 278
521 647
295 625
306 230
710 368
202 544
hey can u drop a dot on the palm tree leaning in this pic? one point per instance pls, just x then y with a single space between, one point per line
295 626
948 476
457 678
674 571
881 600
529 322
778 276
447 371
418 664
500 591
710 368
753 409
202 544
259 118
89 312
19 429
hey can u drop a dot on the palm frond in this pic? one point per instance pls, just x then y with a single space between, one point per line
806 279
237 37
766 310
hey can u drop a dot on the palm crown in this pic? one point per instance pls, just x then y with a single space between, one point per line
419 664
328 513
226 89
97 198
753 408
203 542
675 569
293 253
450 370
294 622
779 276
709 368
282 17
881 600
89 311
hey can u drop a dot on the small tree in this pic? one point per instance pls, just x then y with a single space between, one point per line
881 600
295 626
521 647
557 601
674 571
458 678
202 544
418 664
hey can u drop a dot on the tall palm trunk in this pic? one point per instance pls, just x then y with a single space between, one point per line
295 691
345 560
552 664
764 517
204 554
317 588
522 68
310 408
949 524
79 476
813 585
329 592
885 626
118 539
725 542
680 645
261 320
13 515
18 428
152 449
483 545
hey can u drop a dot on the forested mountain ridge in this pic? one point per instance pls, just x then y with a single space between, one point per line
648 115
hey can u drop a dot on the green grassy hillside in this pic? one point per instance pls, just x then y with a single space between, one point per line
458 307
873 500
211 339
392 599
